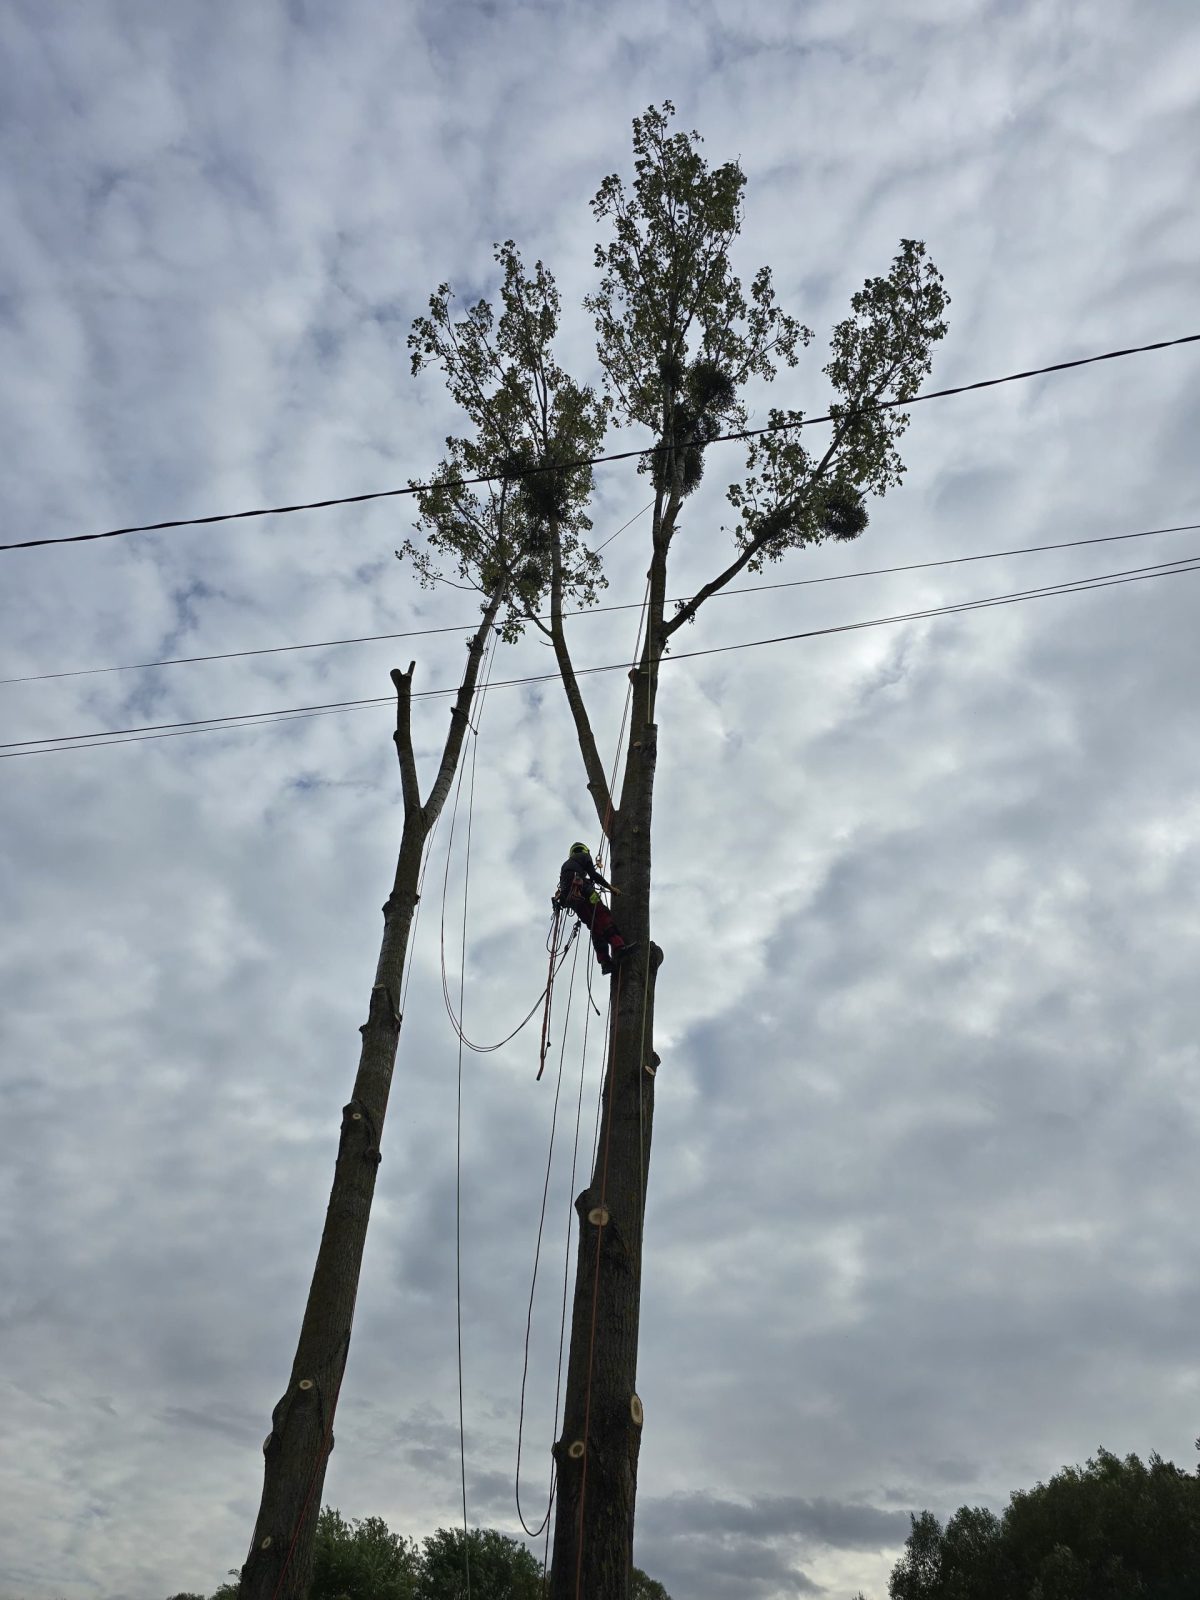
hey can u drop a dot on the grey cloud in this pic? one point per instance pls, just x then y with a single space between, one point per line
916 1229
843 1524
721 1559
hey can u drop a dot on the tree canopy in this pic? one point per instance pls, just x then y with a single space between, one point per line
1113 1530
528 417
362 1559
501 1569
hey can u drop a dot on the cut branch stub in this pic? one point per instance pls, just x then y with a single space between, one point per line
575 1449
598 1216
305 1383
635 1411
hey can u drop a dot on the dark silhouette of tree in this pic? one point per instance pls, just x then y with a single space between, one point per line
362 1560
647 1588
1113 1530
680 340
498 546
501 1569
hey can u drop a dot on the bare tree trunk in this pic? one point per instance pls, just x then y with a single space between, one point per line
597 1454
279 1565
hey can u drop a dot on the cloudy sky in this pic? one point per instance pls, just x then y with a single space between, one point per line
921 1215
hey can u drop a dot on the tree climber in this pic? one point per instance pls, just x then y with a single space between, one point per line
579 886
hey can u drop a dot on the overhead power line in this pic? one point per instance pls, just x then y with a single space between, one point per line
165 730
586 461
591 611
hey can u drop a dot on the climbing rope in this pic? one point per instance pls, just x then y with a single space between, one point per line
535 1533
456 1018
557 952
548 991
462 980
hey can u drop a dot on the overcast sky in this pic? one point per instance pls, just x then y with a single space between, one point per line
921 1222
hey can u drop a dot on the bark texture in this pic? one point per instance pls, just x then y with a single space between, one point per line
279 1565
597 1453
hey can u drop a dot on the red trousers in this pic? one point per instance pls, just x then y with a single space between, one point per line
599 919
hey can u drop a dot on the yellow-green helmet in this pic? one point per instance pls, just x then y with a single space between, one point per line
578 849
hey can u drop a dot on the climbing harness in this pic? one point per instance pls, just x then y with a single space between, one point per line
559 955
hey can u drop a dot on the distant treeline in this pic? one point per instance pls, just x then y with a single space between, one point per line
1113 1530
364 1560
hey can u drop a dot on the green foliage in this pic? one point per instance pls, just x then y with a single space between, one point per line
527 415
501 1569
879 355
678 333
646 1588
364 1560
1114 1530
680 338
361 1560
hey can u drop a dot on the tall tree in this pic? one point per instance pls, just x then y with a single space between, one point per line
362 1560
680 342
525 412
647 1588
1113 1530
501 1569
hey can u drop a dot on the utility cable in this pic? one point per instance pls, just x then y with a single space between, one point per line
56 743
597 549
510 475
628 605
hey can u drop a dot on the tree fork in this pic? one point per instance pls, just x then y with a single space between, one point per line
296 1451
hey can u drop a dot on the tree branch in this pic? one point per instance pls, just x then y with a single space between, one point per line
532 616
687 612
757 544
409 785
460 712
646 681
592 765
